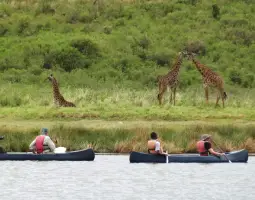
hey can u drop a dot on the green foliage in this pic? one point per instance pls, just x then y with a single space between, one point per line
123 137
124 43
215 11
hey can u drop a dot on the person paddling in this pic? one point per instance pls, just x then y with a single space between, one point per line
42 143
204 146
154 146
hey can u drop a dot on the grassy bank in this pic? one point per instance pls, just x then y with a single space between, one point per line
36 102
123 137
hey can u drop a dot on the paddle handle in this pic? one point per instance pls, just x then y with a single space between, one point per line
222 152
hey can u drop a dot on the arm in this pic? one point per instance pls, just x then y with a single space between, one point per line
50 143
32 145
159 149
214 152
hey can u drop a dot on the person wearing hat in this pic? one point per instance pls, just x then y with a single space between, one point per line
42 143
154 146
204 146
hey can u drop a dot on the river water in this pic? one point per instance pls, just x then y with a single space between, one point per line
113 177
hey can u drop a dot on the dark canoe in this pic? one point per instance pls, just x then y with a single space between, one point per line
235 156
81 155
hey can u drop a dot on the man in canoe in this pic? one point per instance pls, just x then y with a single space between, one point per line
154 146
42 143
204 146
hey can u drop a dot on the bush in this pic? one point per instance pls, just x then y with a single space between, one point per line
3 28
86 47
215 11
70 58
235 76
196 47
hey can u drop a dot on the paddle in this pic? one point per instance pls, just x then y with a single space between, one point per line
166 157
221 151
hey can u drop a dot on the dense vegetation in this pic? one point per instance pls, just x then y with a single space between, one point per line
127 43
123 138
106 55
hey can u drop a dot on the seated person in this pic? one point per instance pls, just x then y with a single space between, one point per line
42 143
154 145
204 146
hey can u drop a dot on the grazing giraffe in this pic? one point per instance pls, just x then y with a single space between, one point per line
170 79
210 79
58 99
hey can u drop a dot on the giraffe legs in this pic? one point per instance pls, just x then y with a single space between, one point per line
217 99
222 97
174 91
206 94
220 94
162 90
171 95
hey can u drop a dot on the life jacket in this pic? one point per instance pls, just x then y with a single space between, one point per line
201 148
39 144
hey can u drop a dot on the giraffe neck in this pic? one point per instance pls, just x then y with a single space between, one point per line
55 88
177 65
200 67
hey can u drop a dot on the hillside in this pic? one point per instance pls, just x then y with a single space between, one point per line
125 43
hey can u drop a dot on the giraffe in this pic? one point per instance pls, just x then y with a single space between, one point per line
210 79
170 79
58 99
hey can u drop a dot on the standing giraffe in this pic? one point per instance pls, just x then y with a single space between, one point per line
210 79
170 79
58 99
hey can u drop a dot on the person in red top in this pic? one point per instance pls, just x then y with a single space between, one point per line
42 143
204 146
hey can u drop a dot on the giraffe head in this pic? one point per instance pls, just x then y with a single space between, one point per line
182 54
189 55
50 78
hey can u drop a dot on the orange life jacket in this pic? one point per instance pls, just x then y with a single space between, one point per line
152 150
201 148
39 144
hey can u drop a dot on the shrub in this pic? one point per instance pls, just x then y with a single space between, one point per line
215 11
197 47
86 47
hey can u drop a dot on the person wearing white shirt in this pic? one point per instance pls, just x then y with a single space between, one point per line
154 146
42 143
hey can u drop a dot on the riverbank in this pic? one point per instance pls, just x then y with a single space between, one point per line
125 136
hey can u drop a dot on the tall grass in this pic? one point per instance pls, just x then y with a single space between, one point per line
36 102
175 139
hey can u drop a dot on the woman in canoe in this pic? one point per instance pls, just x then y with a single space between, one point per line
204 146
42 143
154 146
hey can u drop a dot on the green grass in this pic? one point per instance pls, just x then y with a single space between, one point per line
123 137
106 58
35 102
124 43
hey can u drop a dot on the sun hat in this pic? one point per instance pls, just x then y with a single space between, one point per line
205 136
44 131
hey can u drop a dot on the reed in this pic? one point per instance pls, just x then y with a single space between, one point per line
123 139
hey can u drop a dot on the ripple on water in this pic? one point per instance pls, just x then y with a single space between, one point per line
113 177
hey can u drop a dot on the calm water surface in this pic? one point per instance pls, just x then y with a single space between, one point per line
113 177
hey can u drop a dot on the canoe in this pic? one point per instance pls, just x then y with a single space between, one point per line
234 156
81 155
